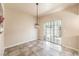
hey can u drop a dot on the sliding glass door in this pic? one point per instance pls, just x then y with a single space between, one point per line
52 31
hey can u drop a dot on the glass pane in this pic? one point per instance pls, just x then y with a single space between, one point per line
52 31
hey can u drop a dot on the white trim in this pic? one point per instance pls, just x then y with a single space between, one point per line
17 44
32 40
75 49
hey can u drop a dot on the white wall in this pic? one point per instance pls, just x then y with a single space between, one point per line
70 28
19 27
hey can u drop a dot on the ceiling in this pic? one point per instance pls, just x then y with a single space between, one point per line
73 9
43 8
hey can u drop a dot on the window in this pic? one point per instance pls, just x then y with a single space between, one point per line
52 31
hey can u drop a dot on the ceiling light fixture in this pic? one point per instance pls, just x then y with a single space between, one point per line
37 25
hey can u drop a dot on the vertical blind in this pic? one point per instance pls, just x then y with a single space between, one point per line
52 31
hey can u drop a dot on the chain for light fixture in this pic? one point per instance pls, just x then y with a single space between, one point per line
36 25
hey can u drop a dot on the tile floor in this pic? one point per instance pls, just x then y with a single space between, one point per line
39 48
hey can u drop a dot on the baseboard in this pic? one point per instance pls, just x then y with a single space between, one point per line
32 40
66 46
17 44
71 48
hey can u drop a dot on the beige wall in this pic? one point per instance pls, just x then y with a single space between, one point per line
70 28
19 27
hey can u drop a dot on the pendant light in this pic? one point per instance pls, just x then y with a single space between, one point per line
37 25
